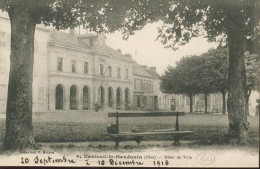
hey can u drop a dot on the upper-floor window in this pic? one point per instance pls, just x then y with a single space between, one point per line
3 96
138 84
2 39
110 71
86 68
2 65
150 86
2 34
141 84
73 66
126 73
60 64
41 94
135 84
118 72
101 69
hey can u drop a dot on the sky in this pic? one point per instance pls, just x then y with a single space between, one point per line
151 52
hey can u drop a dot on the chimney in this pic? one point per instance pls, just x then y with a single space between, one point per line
73 32
128 55
153 69
88 39
144 66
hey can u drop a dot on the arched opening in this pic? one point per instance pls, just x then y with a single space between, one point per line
110 97
127 98
86 98
73 98
101 96
118 98
59 99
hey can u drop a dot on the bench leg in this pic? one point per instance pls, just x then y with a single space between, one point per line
117 145
117 140
176 141
138 140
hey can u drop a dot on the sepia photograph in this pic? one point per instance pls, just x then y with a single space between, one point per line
129 83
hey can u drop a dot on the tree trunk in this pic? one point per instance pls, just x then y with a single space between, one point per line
223 103
206 103
248 93
191 104
19 129
238 124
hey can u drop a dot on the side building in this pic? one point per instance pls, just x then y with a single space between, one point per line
144 98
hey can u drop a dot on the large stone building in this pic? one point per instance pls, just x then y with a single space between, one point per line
71 72
83 71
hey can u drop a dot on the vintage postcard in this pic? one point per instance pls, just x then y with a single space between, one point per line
129 83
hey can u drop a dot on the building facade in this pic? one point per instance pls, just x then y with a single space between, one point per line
144 98
71 72
83 71
76 72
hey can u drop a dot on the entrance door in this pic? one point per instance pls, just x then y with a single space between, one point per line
127 100
118 98
110 97
59 98
101 96
85 98
73 98
156 103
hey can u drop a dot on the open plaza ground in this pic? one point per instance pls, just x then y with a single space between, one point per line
74 134
76 126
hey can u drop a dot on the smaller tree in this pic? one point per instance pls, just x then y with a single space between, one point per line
215 73
182 79
252 76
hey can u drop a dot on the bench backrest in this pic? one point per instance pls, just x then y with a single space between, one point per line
145 114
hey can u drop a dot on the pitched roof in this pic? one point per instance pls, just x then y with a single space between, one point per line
70 40
108 50
138 70
154 74
66 39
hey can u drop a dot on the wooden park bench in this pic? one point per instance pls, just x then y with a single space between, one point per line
116 135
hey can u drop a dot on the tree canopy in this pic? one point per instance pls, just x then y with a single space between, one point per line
182 79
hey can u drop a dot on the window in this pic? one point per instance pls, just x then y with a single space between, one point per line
73 66
59 64
3 96
118 72
41 94
101 69
149 85
135 84
141 84
138 85
2 39
126 73
86 68
2 65
110 71
2 43
2 34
